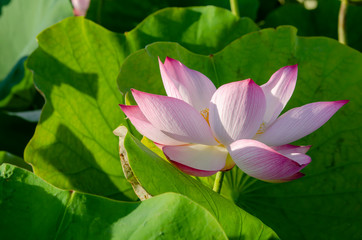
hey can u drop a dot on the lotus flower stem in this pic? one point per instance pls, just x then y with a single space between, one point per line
342 22
218 181
234 7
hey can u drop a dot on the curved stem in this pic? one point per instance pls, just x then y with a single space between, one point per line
218 181
342 22
234 7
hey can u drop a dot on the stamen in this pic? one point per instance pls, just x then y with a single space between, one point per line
205 114
261 129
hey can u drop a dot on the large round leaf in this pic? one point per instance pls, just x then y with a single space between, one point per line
330 196
76 66
33 209
120 16
203 30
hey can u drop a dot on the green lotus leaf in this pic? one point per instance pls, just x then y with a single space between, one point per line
6 157
34 209
121 16
76 67
20 22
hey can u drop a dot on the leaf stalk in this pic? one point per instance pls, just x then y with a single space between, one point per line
234 5
218 181
342 22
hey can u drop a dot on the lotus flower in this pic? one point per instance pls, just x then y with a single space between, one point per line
203 130
80 7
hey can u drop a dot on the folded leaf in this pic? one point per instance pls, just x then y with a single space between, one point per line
156 176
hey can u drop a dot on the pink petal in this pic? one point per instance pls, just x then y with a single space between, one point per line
288 148
145 127
197 156
260 161
186 84
193 171
288 179
175 118
236 111
296 153
300 158
299 122
278 91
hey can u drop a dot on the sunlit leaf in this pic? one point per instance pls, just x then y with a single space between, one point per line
76 67
33 209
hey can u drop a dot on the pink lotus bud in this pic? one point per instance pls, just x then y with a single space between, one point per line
80 7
